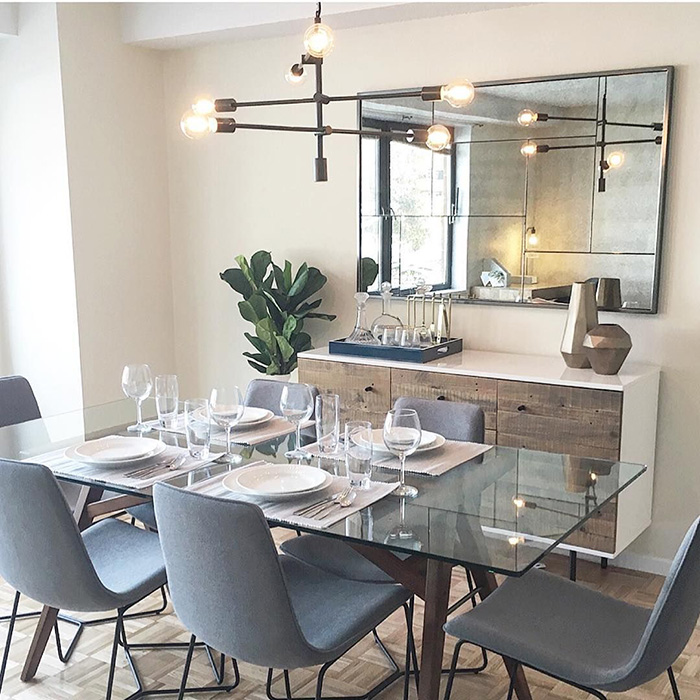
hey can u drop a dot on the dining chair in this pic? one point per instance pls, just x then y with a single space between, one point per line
17 401
267 393
582 637
231 588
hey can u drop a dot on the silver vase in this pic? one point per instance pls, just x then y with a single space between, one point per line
582 316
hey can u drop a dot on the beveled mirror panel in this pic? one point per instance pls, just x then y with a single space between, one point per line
486 220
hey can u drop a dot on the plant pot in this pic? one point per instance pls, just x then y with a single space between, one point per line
293 377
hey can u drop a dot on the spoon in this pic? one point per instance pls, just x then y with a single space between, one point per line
344 501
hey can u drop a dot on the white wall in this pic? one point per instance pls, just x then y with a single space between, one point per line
113 96
238 193
38 323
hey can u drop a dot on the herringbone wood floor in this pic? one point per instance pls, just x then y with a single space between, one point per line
84 677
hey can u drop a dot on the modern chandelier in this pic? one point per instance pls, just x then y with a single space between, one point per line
200 120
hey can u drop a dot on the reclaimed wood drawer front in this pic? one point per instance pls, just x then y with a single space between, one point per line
561 415
364 391
449 387
598 532
553 443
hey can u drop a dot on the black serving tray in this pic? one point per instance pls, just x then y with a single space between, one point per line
396 352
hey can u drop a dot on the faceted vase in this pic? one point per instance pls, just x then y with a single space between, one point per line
582 316
607 347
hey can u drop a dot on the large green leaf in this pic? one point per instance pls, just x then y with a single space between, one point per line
279 276
265 330
299 281
301 342
276 315
325 317
257 366
258 344
289 327
245 268
258 357
287 276
314 282
368 273
286 349
259 264
255 309
237 281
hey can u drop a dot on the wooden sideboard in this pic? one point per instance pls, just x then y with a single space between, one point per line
528 401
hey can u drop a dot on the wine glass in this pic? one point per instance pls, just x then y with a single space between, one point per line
297 405
226 409
402 434
137 383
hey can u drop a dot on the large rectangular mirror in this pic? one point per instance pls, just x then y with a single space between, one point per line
545 182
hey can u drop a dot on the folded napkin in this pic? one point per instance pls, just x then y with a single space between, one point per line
429 463
121 475
254 435
283 511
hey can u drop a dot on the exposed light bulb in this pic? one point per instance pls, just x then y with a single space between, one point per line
615 159
458 93
295 75
526 117
204 106
518 502
533 238
513 541
197 126
594 476
438 138
319 40
528 148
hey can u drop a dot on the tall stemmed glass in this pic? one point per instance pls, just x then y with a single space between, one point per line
297 405
402 433
137 383
226 409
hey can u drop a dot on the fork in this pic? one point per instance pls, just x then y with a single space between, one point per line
313 512
152 470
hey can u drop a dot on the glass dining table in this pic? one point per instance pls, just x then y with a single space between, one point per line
498 513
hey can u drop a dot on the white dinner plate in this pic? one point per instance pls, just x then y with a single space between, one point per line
251 417
277 481
428 441
116 450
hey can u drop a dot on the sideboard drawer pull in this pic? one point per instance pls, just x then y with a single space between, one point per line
522 408
442 397
369 388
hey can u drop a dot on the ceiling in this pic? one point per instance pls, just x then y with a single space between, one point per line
174 25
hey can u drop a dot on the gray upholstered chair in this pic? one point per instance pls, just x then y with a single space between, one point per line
453 420
582 637
17 401
112 565
267 393
231 589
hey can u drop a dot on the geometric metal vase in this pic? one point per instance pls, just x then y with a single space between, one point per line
582 316
607 346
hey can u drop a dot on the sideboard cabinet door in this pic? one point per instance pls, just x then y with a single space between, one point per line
365 392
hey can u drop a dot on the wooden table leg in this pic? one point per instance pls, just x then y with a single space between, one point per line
47 619
486 581
437 599
42 633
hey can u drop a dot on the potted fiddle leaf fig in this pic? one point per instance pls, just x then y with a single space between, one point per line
276 302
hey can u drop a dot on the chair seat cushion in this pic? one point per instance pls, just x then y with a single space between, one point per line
335 613
557 626
128 560
145 513
335 557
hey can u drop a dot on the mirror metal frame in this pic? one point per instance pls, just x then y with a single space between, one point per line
661 208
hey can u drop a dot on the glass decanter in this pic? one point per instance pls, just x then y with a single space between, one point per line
386 321
361 334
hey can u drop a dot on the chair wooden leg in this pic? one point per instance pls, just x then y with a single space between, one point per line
674 685
8 640
43 631
186 671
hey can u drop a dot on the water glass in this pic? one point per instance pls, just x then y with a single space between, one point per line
226 410
297 405
358 452
402 434
167 394
137 383
198 427
327 423
406 337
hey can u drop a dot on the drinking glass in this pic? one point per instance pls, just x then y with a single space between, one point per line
297 406
226 409
198 427
327 423
358 452
137 383
166 399
402 433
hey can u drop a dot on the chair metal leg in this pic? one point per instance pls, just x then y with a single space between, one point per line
113 661
186 671
511 685
287 685
319 680
453 669
674 685
572 565
8 640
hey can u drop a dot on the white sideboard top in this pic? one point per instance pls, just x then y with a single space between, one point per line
540 369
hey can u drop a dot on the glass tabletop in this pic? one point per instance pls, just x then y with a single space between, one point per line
503 510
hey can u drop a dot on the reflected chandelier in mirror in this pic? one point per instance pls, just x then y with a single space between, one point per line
543 182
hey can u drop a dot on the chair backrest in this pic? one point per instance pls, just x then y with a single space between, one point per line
267 393
225 578
674 616
42 554
454 420
17 401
